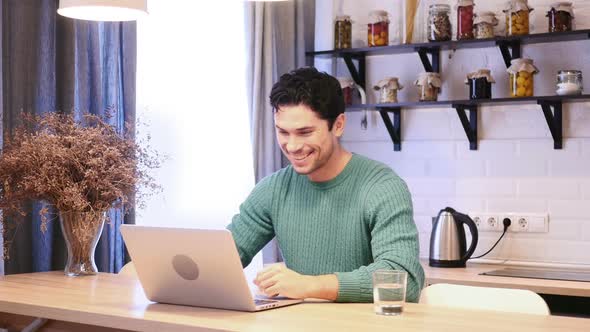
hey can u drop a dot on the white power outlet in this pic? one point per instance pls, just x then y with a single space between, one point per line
527 222
492 223
476 219
519 222
522 224
514 225
485 222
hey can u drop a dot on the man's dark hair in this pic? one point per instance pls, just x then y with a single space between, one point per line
307 86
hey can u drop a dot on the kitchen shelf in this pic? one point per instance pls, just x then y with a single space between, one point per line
550 105
538 38
443 103
429 53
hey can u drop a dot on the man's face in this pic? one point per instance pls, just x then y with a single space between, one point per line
305 138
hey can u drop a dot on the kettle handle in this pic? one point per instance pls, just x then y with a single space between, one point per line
465 219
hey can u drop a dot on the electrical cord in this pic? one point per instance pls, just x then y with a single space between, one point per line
506 223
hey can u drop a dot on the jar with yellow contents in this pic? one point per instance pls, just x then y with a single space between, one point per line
521 78
517 18
378 28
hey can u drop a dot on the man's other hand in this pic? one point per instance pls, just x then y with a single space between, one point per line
278 280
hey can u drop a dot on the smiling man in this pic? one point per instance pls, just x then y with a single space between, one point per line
337 216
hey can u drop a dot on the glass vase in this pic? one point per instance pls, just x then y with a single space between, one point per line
81 231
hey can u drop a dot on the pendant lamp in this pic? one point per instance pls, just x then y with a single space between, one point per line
103 10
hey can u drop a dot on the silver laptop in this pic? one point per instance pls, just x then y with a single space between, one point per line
192 267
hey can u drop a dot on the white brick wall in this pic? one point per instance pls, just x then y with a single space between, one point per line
585 231
515 168
548 188
585 185
570 208
516 205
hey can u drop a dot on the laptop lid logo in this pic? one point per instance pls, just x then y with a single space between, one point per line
185 267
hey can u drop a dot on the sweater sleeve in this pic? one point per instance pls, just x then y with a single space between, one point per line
394 244
252 227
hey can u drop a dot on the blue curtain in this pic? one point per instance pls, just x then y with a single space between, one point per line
55 64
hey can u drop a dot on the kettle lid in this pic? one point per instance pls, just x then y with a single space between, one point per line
448 209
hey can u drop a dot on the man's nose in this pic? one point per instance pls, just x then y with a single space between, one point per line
294 144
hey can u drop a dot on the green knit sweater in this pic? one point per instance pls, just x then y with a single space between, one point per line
352 225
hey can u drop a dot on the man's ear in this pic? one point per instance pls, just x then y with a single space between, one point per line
338 127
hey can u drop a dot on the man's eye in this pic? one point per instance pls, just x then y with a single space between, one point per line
305 133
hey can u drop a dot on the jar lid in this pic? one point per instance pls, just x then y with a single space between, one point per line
569 72
346 82
517 5
376 16
390 82
486 17
440 7
522 64
485 73
429 78
465 3
343 18
562 7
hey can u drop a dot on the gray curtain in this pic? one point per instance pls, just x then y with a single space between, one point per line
55 64
277 36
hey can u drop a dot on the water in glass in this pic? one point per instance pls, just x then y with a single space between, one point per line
389 298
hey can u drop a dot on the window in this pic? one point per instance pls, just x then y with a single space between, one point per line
191 91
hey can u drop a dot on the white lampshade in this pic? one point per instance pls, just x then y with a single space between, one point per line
103 10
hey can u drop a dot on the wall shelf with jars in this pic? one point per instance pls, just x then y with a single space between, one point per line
510 48
550 105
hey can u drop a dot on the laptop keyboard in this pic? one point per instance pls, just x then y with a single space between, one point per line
263 302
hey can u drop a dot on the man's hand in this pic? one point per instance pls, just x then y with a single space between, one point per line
278 280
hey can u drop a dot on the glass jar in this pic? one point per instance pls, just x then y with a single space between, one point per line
342 32
522 77
517 18
480 84
439 23
378 28
569 82
429 85
349 87
484 25
465 19
560 17
388 88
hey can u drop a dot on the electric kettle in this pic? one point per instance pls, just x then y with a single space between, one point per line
447 240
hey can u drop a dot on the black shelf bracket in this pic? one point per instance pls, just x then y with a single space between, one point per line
469 125
430 65
554 120
394 128
357 75
510 50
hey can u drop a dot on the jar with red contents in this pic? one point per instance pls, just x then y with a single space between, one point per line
349 87
378 28
465 19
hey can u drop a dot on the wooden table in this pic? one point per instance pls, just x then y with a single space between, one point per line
117 301
471 276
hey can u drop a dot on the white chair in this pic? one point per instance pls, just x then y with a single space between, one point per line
128 270
484 298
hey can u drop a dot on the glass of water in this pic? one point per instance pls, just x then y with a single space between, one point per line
389 291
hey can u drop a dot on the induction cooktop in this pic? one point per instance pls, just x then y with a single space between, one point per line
541 274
